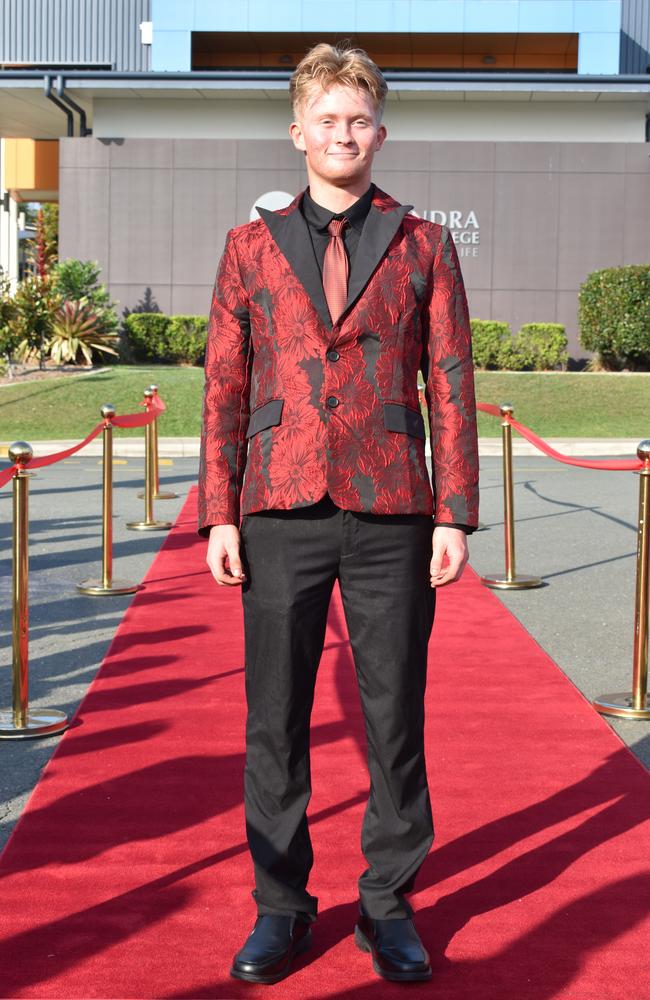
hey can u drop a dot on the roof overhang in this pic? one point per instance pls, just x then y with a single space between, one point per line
26 110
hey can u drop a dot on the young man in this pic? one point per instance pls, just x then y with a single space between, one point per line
322 315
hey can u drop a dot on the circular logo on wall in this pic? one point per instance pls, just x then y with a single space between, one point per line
271 200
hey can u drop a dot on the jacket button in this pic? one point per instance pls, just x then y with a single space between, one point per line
333 355
332 401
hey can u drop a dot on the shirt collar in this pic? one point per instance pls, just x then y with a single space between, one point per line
320 217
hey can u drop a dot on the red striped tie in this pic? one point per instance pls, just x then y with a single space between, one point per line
335 269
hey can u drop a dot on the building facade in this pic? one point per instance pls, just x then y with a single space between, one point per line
521 124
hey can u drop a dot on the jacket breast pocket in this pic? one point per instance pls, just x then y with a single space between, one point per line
266 415
403 419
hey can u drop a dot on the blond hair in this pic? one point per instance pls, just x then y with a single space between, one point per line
326 65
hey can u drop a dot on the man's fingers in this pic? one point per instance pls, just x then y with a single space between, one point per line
450 572
220 550
437 557
235 562
448 558
232 575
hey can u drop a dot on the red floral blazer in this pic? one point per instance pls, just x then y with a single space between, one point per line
295 406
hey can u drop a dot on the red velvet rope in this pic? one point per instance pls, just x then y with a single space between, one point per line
615 465
155 407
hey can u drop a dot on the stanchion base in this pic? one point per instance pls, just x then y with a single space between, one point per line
96 588
620 704
149 525
161 495
40 722
519 582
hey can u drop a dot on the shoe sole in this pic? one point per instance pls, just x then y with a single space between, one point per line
363 944
256 977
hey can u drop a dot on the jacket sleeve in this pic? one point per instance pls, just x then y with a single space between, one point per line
448 372
226 409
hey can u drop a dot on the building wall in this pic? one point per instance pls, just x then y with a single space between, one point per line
531 220
635 36
619 118
597 22
75 31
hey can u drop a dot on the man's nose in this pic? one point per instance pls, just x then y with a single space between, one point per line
343 133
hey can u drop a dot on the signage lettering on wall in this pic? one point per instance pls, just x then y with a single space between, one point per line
464 227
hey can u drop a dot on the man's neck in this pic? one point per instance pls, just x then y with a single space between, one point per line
337 199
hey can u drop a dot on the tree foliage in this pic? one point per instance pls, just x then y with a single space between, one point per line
614 316
78 280
36 304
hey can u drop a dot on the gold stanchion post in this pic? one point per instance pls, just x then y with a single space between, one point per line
158 494
510 580
149 523
20 721
634 704
107 585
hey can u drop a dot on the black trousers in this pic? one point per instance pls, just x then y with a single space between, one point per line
292 559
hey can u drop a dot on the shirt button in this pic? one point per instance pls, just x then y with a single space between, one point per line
332 401
333 355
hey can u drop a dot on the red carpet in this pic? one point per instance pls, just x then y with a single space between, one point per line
128 874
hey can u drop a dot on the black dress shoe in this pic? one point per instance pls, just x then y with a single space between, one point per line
397 952
270 948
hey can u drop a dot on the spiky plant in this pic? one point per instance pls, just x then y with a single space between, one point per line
76 333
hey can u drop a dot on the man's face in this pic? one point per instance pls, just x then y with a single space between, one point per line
340 133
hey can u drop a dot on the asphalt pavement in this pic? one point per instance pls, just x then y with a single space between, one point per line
575 528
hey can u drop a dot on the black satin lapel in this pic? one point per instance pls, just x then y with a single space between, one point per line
379 229
291 234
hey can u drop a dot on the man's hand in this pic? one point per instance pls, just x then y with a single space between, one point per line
451 542
224 544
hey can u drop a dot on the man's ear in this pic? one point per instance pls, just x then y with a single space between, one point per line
381 136
295 131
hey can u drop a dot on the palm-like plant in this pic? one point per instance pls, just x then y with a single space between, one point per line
76 332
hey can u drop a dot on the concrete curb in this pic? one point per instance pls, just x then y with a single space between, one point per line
180 447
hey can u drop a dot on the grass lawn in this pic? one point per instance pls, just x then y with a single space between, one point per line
565 404
68 407
568 404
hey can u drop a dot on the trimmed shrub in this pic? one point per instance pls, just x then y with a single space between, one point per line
542 346
146 335
489 337
155 337
614 316
510 357
186 337
536 347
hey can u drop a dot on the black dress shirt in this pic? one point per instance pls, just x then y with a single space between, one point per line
318 219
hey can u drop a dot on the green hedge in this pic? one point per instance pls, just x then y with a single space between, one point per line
154 337
614 316
542 346
536 346
490 339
